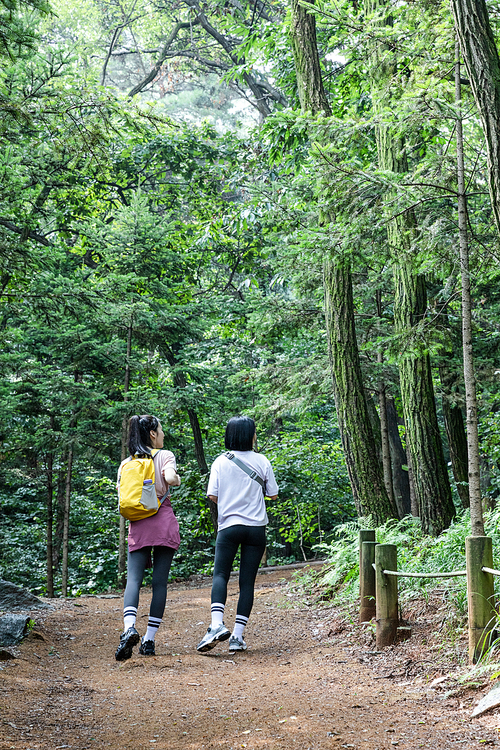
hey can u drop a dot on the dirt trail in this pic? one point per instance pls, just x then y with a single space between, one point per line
291 689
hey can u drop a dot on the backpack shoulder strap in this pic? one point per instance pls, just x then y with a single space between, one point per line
125 460
251 472
154 453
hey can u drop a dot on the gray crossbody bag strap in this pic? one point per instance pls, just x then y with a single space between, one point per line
251 472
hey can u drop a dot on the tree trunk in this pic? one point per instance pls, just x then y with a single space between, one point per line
60 500
180 382
374 418
482 62
50 521
476 511
400 476
312 94
384 428
413 494
423 440
386 450
363 467
199 451
122 538
65 540
455 433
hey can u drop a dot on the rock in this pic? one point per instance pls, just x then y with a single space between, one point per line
490 700
13 627
15 597
5 654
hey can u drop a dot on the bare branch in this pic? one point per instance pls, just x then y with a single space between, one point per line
162 56
25 233
114 39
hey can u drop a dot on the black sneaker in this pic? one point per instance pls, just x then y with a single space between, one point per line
147 648
128 640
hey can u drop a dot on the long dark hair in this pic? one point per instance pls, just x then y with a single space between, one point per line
239 434
139 439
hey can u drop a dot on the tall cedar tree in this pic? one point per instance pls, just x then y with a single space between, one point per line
430 474
358 443
482 62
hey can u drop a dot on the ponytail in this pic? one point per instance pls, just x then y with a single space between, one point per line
139 439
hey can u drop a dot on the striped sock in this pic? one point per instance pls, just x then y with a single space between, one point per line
239 626
129 617
153 625
217 611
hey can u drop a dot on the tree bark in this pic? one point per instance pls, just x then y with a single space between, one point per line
312 94
482 63
67 506
181 383
363 466
455 433
386 450
476 511
358 443
384 428
400 476
50 521
374 418
423 440
122 538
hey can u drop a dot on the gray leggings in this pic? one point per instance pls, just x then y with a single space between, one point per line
137 562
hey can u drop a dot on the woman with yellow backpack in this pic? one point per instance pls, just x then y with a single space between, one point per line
148 472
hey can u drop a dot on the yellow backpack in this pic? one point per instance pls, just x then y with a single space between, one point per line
136 488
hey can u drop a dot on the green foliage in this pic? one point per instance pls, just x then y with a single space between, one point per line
417 553
208 249
314 492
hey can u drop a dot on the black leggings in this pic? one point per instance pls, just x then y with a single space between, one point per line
253 543
137 562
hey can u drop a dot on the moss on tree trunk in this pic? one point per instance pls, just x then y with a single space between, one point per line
430 476
363 466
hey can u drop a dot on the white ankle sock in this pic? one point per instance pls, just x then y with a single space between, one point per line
217 612
153 625
239 626
129 618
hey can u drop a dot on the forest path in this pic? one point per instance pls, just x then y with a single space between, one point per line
290 690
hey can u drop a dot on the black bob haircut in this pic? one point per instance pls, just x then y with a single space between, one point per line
239 434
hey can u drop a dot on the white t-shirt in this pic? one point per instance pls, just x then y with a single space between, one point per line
240 499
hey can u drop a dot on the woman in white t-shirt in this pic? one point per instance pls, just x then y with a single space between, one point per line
242 520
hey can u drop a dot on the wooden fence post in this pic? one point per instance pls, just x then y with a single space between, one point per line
480 595
367 545
386 558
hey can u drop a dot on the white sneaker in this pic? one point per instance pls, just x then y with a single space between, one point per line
212 637
237 644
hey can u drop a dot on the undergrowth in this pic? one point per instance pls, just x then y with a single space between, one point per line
338 581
